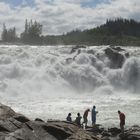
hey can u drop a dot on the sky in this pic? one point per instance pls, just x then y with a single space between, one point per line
61 16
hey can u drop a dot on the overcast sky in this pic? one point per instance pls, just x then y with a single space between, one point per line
60 16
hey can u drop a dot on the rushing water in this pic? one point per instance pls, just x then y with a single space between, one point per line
49 82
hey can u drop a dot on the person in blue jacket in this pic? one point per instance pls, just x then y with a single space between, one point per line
93 115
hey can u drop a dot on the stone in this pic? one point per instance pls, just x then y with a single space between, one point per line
6 111
40 120
76 48
70 131
116 59
114 131
82 135
18 127
21 118
61 130
132 134
119 49
7 126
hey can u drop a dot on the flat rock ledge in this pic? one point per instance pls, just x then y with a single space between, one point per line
14 126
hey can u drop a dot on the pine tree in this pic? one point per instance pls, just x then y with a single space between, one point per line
8 35
26 26
4 34
32 32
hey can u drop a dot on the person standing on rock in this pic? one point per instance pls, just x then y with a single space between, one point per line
93 115
85 117
78 119
69 119
122 121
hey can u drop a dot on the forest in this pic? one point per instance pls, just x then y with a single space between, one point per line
114 32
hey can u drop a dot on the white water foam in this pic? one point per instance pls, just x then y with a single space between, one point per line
49 82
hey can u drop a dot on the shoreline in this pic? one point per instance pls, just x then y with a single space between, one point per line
73 45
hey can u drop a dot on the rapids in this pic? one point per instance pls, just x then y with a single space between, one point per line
49 82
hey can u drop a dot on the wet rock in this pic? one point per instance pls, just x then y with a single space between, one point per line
116 59
39 120
6 111
127 54
14 126
70 131
105 134
22 134
39 130
19 127
95 129
3 135
61 130
82 135
114 131
132 134
91 51
106 138
15 122
69 60
21 118
119 49
76 48
7 126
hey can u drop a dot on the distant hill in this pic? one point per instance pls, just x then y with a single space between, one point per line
113 32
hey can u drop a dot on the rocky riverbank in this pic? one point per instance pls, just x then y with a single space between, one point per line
14 126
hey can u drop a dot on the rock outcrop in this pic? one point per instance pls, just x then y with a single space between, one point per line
78 47
64 130
14 126
116 58
132 134
6 111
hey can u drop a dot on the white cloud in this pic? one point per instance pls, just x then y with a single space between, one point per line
59 16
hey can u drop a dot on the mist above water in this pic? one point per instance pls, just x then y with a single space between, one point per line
50 81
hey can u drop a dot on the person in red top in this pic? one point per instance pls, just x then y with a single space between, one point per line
85 117
122 120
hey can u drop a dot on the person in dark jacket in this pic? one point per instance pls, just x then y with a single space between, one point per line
78 119
69 119
122 120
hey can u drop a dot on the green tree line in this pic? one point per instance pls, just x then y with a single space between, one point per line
114 32
31 34
8 35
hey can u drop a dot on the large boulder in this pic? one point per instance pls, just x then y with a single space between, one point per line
14 126
12 129
116 58
38 127
132 134
78 47
61 129
114 131
21 118
119 49
6 111
64 130
82 135
7 125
